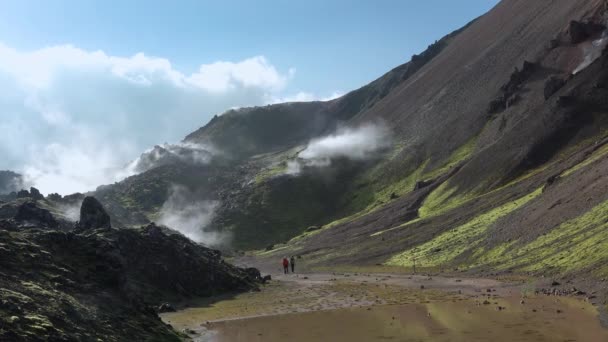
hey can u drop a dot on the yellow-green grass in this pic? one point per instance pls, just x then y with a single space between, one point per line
458 156
596 155
446 247
378 197
578 244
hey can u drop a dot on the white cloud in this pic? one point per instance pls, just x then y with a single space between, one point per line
253 72
68 116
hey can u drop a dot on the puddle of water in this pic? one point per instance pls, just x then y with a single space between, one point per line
438 321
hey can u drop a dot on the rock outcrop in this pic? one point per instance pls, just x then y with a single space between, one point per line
30 214
510 90
103 284
581 31
93 215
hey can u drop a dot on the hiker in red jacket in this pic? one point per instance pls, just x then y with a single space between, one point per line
285 265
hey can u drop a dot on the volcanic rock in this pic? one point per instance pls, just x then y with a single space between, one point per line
580 31
102 284
93 215
35 194
165 307
422 184
29 213
254 274
23 194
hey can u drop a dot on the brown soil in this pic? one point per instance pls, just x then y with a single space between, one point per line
367 307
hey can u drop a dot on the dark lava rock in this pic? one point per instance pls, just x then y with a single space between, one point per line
550 181
35 194
566 100
29 213
23 194
165 307
552 85
254 274
579 31
93 215
497 105
103 284
55 197
512 100
510 89
422 184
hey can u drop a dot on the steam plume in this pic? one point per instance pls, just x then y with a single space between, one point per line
164 154
191 217
359 143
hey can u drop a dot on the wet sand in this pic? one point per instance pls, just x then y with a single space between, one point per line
443 321
361 307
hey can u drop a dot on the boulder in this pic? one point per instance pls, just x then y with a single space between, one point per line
551 180
165 307
254 274
28 212
93 215
497 105
422 184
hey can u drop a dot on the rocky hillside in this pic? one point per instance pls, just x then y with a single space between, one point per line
496 159
252 147
95 282
504 157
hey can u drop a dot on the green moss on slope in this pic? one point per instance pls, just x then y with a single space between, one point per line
443 249
577 244
442 199
596 155
458 156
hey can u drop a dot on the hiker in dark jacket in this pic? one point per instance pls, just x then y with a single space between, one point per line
293 264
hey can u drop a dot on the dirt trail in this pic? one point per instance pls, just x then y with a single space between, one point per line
464 285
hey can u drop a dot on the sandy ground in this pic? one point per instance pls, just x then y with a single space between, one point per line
318 307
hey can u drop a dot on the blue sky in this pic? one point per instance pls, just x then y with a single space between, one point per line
88 85
335 45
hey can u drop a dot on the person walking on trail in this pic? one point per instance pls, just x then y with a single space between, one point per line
292 262
285 265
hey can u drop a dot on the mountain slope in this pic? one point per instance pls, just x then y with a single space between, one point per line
497 159
529 193
254 145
